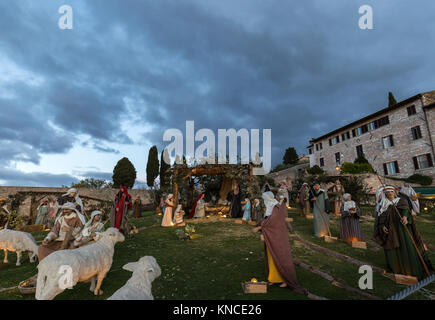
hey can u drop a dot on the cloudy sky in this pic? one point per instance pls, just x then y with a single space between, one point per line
73 102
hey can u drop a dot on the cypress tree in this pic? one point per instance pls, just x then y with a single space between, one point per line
152 166
164 179
391 100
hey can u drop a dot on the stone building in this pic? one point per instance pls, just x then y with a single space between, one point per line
398 141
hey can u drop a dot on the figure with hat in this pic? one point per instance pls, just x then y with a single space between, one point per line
395 231
91 228
71 196
42 213
67 228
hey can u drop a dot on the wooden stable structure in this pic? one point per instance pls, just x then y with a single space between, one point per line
241 171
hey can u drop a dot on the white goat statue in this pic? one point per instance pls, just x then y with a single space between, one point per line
65 268
18 241
138 287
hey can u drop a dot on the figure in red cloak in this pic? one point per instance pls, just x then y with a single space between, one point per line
192 211
120 207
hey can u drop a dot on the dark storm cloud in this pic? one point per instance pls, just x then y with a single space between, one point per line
300 68
35 179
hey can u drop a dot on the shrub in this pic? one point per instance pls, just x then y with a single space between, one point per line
355 168
315 170
420 179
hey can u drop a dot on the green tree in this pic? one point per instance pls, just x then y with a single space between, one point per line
124 174
290 156
361 159
315 170
164 174
92 183
391 100
152 166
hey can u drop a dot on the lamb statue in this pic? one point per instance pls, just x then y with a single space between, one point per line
64 268
138 287
18 241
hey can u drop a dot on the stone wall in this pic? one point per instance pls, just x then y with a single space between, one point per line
91 198
403 151
289 175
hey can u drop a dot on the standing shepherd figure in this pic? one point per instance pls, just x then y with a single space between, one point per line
257 212
279 262
395 232
4 212
167 217
350 228
304 199
120 207
321 209
338 191
42 213
137 207
283 190
71 196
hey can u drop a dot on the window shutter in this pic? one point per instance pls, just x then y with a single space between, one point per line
429 159
353 133
415 163
392 141
330 142
419 132
396 165
385 169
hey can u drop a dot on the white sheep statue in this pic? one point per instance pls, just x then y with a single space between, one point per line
65 268
138 287
18 241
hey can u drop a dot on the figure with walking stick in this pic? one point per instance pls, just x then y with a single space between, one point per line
392 232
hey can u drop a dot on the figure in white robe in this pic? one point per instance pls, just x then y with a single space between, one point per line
167 217
178 215
412 195
200 209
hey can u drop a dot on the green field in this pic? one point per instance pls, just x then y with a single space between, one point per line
225 254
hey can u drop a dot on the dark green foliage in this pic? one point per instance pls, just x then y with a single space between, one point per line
361 159
164 173
152 166
420 179
92 183
357 188
315 170
391 100
124 174
290 156
356 168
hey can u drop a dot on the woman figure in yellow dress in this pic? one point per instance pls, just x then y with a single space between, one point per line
279 262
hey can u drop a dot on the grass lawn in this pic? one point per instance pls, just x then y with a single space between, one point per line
222 256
